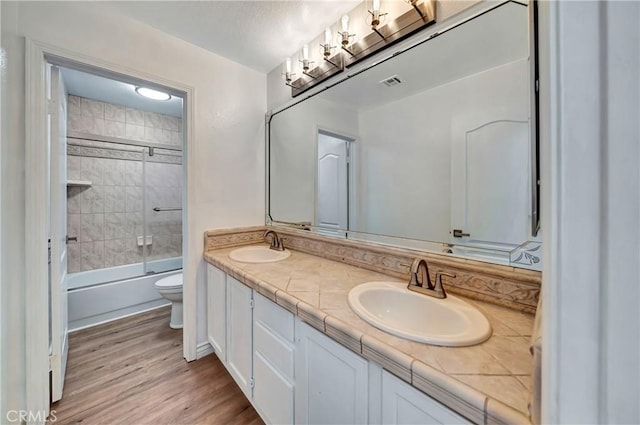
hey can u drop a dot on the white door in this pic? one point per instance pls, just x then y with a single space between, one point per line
332 206
403 404
331 382
216 310
58 231
490 184
239 334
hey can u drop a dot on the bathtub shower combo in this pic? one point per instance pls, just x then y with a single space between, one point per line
124 213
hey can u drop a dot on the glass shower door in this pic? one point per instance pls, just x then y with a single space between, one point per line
162 210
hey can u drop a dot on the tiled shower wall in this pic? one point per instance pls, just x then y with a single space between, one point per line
110 215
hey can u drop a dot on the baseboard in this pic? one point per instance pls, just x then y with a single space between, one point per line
203 349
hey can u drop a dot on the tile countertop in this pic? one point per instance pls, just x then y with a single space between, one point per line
495 375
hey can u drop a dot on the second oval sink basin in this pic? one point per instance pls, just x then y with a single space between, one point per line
390 306
258 254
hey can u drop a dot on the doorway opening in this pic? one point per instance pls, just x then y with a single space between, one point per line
114 184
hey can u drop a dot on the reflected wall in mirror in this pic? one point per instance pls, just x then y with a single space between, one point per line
430 149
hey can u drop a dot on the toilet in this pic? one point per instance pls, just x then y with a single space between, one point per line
170 288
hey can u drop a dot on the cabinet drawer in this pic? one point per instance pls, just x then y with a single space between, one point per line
273 316
273 348
273 393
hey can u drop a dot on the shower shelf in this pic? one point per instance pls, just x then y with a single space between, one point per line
78 183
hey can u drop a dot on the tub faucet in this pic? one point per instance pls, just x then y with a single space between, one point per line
276 242
421 281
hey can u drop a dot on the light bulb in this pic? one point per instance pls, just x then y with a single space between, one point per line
327 36
345 23
376 5
287 65
305 52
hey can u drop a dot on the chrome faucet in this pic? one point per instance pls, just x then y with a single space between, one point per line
421 281
276 242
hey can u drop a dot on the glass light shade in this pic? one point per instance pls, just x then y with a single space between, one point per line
152 94
287 65
376 5
305 52
345 23
327 36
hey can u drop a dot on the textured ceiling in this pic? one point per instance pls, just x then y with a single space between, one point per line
258 34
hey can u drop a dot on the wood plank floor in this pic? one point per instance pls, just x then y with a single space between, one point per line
131 371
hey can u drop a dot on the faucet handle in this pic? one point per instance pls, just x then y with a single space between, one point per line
437 283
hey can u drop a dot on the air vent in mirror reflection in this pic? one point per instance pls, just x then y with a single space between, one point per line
394 80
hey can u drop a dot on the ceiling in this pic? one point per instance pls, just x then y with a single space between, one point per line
258 34
91 86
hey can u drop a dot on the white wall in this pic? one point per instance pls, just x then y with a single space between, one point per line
294 154
590 98
405 154
230 102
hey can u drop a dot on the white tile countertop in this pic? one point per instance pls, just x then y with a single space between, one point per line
487 383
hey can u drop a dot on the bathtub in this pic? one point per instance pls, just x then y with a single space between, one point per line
103 295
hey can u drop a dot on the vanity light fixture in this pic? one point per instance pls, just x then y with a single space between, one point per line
286 71
152 94
416 6
375 17
326 47
345 33
305 59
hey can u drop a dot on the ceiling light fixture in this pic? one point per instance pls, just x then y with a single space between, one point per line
152 94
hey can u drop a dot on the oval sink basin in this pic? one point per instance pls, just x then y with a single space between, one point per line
258 254
390 306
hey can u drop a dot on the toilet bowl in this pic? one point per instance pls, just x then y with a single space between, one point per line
170 288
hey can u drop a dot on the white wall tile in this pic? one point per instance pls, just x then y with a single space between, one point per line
92 169
92 255
114 129
134 116
92 200
134 131
114 172
114 199
153 120
91 227
74 107
114 225
74 167
114 112
92 108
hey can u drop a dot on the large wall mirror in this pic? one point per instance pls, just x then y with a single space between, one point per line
430 149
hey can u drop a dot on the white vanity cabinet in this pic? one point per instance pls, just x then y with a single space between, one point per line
216 310
239 325
403 404
293 373
273 360
331 380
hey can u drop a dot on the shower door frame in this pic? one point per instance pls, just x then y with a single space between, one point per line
37 55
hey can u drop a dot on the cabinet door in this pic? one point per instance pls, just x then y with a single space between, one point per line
239 336
403 404
273 360
216 310
331 385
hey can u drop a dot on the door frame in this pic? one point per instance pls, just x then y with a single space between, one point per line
37 55
352 152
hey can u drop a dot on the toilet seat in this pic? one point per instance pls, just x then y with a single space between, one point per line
173 282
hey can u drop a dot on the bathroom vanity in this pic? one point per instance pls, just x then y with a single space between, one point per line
285 332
